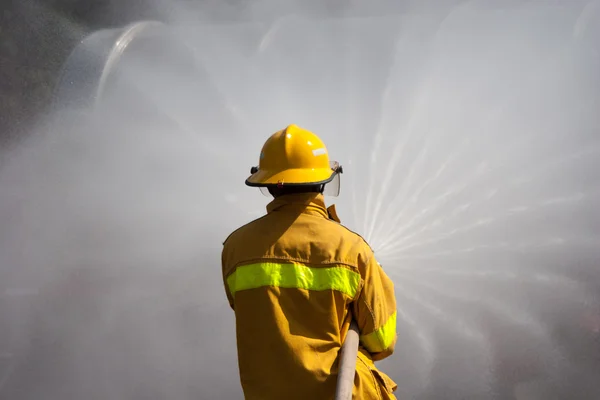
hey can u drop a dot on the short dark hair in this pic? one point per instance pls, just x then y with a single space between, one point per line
277 191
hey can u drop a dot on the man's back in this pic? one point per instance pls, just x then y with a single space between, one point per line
292 278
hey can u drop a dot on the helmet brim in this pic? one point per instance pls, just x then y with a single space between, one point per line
291 177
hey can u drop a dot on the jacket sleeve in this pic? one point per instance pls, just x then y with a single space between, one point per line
375 308
224 272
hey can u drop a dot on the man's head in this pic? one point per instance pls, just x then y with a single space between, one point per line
283 190
295 160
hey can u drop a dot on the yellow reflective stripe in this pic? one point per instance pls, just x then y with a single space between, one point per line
291 275
382 338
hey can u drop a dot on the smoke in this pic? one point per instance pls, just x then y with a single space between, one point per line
469 140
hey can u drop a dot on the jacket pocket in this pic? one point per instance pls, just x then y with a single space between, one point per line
385 381
386 385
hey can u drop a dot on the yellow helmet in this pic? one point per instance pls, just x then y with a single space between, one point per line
294 157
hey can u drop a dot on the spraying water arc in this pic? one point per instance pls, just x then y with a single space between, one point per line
90 65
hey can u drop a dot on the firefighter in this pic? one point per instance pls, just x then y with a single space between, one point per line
296 277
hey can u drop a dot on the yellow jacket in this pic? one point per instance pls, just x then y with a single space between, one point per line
294 279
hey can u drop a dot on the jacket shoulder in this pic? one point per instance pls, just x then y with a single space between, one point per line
360 241
242 228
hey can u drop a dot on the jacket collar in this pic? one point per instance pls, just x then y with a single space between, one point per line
307 203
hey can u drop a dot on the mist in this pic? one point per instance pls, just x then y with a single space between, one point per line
471 151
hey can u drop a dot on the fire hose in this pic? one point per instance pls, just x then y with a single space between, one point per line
347 369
